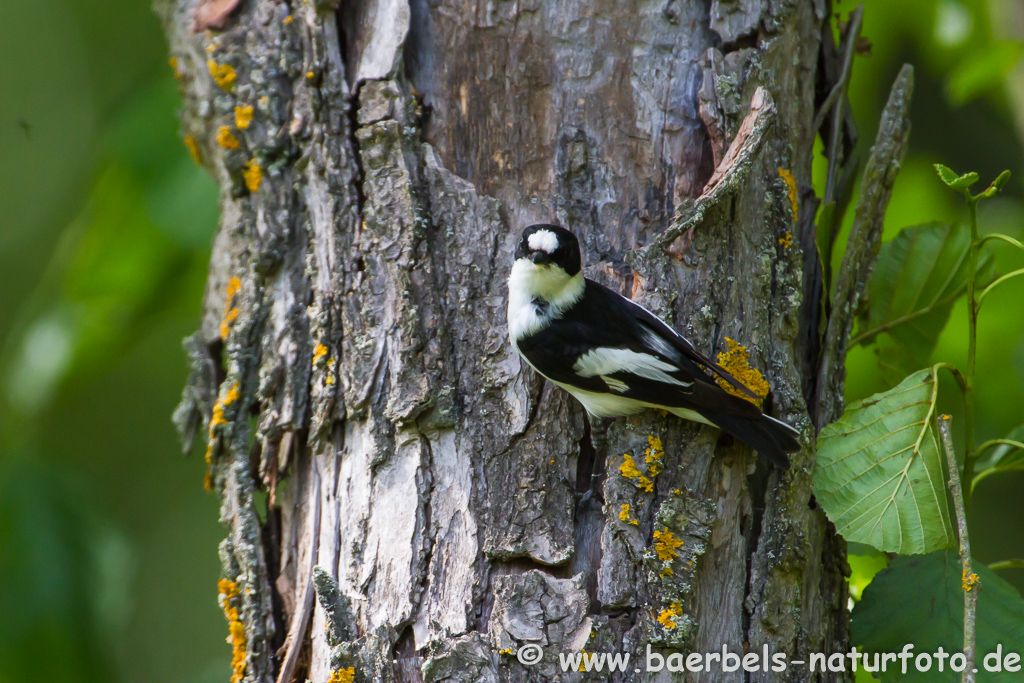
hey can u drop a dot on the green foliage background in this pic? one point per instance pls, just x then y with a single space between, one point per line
108 564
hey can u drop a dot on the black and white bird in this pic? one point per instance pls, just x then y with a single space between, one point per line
615 356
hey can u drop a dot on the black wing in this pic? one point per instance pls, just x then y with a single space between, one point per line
629 352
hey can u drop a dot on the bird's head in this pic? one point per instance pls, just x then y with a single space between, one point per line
548 265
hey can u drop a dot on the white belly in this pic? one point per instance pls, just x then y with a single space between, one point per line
601 404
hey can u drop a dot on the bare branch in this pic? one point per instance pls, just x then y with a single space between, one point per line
862 249
971 585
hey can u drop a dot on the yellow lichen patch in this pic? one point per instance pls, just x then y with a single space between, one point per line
629 470
969 580
217 418
790 181
506 651
208 481
665 544
228 590
243 116
237 640
666 617
667 571
223 74
319 352
225 324
653 455
786 240
234 286
289 19
173 61
227 139
343 675
625 516
230 310
253 175
193 149
736 361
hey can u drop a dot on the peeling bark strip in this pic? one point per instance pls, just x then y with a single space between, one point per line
433 505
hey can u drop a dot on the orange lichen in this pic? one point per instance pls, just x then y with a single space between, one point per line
243 116
217 417
223 74
666 616
253 175
629 470
230 310
625 516
665 544
652 460
736 361
227 139
653 455
343 675
969 580
790 181
319 352
225 324
786 240
193 149
228 590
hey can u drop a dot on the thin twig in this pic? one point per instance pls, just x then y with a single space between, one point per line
970 583
984 292
836 98
1007 564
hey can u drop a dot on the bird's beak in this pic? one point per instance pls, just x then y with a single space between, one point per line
540 258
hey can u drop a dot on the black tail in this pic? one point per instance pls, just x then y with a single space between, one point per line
766 435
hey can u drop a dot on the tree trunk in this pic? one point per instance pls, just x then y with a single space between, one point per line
353 360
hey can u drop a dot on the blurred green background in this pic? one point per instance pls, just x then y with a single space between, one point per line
108 562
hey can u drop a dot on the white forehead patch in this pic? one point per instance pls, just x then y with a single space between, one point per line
543 240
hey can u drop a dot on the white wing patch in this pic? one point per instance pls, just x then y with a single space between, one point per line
543 240
606 361
657 343
615 384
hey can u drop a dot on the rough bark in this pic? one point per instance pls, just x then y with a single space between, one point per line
444 505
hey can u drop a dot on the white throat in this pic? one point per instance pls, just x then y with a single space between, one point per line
536 294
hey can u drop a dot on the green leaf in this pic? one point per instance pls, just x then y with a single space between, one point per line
880 475
947 174
920 600
915 282
950 177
